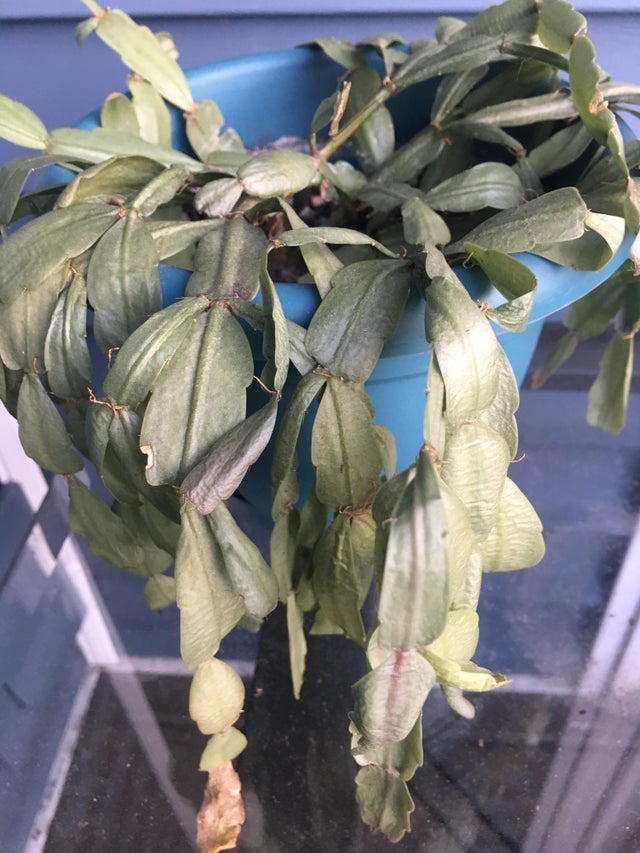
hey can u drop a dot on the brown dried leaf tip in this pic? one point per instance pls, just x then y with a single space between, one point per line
222 814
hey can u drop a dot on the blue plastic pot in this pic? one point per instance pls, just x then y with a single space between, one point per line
270 95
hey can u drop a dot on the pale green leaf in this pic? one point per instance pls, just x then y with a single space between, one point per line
384 800
475 466
209 605
203 124
140 50
463 341
415 581
160 592
18 124
118 113
297 643
221 748
216 697
515 541
152 114
278 172
344 448
389 699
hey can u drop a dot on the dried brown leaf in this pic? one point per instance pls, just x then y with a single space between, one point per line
222 814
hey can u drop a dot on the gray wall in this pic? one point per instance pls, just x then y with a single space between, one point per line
41 65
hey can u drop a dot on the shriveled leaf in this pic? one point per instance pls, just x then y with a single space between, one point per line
459 639
222 813
475 466
426 64
221 748
556 216
342 571
66 352
218 198
147 350
609 394
330 234
123 284
560 150
248 572
485 185
216 697
422 225
464 676
415 579
209 605
452 89
160 592
514 280
344 448
112 181
41 429
278 172
407 162
384 800
227 262
284 454
107 535
500 414
220 473
515 541
297 643
374 140
464 344
402 757
389 699
320 260
584 76
275 337
358 315
198 396
25 320
59 235
160 190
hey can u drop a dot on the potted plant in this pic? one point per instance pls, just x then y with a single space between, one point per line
342 298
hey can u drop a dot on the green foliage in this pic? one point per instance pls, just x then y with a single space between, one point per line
196 391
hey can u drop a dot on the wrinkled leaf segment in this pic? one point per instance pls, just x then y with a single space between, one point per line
160 409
